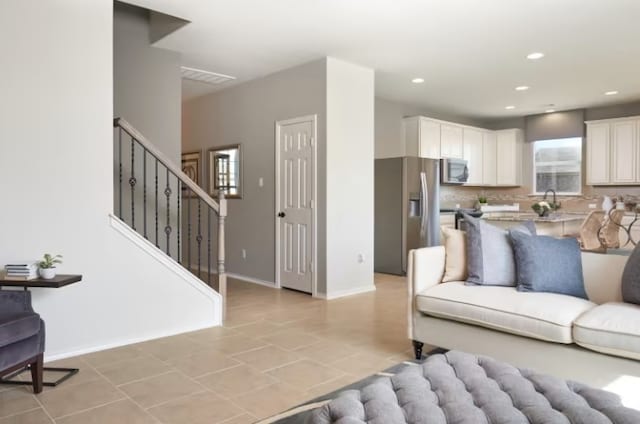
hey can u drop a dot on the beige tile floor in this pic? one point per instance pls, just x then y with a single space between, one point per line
278 348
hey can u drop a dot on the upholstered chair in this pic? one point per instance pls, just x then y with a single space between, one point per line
21 336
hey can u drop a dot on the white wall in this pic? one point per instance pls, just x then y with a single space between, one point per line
349 170
57 182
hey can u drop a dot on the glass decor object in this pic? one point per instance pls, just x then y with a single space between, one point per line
225 171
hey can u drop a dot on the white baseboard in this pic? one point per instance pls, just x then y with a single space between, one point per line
253 280
265 283
120 343
347 292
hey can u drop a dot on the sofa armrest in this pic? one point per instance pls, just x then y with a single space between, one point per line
426 268
15 301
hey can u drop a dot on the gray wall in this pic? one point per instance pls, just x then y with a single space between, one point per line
388 125
146 93
147 85
246 114
549 126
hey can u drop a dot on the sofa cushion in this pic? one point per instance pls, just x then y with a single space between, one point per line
16 326
547 264
544 316
610 328
490 259
455 244
631 278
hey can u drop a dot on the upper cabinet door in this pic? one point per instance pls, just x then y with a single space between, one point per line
624 152
489 159
598 153
509 157
472 148
429 143
451 141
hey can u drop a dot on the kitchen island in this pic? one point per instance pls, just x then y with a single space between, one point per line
555 225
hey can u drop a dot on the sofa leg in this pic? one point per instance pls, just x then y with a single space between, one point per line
36 373
417 349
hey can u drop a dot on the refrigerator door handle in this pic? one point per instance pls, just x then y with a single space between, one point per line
424 208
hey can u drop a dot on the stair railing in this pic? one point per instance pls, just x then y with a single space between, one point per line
169 209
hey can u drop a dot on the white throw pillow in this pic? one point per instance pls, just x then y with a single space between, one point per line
455 245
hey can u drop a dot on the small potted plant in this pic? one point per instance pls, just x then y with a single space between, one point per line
541 208
47 266
482 200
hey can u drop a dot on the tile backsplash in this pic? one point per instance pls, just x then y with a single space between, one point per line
466 197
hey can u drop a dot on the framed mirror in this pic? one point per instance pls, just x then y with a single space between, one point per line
225 171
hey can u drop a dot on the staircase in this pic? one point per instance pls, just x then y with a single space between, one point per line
162 204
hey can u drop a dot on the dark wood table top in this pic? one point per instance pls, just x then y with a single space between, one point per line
56 282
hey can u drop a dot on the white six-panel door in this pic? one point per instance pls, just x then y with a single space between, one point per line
295 203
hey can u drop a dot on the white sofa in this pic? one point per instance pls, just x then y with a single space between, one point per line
554 333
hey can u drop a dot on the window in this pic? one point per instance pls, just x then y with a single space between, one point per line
557 165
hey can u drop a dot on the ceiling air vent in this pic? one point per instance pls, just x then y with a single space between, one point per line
204 76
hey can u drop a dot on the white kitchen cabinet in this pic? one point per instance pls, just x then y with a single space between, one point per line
473 154
451 141
613 151
598 153
421 137
489 159
509 157
494 157
624 152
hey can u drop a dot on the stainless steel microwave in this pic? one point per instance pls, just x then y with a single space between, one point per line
454 171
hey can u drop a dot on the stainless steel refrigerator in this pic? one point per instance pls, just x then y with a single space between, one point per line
407 210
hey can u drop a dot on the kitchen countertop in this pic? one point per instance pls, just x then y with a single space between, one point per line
528 216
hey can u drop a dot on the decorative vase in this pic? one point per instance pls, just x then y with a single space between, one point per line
47 273
607 204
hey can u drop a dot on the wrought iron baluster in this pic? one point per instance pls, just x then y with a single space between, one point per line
144 191
179 218
132 183
120 172
199 241
167 228
208 245
156 199
189 229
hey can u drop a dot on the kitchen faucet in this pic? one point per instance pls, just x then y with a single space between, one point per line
555 204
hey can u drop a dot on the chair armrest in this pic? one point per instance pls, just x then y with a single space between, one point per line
15 301
426 268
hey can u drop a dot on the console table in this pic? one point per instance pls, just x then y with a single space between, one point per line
55 283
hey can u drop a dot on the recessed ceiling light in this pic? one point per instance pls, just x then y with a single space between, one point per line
417 80
535 56
611 93
550 110
522 88
509 107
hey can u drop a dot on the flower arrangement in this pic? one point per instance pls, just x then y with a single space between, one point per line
543 208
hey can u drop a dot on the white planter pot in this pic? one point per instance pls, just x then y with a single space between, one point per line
47 273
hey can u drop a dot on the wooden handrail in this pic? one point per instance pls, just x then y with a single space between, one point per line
164 160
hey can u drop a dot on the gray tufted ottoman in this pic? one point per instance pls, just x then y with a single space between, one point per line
460 388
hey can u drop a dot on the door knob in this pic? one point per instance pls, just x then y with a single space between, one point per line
281 214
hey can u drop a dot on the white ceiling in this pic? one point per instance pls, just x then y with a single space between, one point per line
471 53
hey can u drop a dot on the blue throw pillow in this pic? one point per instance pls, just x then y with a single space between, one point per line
547 264
490 259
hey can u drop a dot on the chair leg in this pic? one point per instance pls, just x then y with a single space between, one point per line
36 373
417 349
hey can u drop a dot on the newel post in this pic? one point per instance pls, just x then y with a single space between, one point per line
222 274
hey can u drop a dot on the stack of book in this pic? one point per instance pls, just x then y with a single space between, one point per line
21 271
